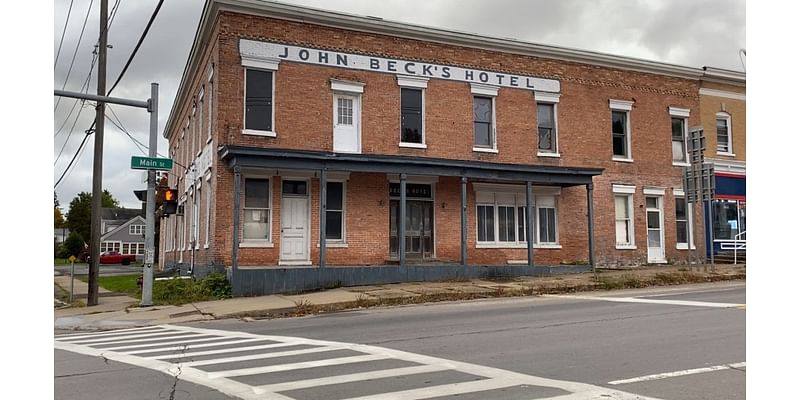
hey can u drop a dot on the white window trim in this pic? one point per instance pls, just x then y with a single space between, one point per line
343 241
548 98
208 207
413 82
727 117
516 190
211 102
486 91
676 112
679 193
265 65
243 242
627 190
131 230
347 86
626 106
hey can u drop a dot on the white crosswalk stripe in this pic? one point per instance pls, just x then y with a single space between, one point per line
167 349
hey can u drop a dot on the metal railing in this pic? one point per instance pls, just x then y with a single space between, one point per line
736 244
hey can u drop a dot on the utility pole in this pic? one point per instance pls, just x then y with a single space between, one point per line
97 172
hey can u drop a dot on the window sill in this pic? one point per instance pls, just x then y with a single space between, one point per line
256 243
680 246
253 132
515 246
553 155
484 150
626 247
206 246
414 145
208 140
335 245
681 164
628 160
726 154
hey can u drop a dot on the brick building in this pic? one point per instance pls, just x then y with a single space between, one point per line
723 117
486 141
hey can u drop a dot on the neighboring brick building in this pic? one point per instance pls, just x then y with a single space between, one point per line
723 116
275 94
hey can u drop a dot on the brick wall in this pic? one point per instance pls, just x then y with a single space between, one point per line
303 120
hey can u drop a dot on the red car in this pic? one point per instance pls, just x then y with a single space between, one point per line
114 257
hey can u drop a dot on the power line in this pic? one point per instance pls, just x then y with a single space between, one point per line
63 33
73 158
83 28
136 49
136 141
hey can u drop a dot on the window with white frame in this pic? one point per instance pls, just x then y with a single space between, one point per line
136 229
484 118
683 221
724 133
335 212
201 110
259 105
196 216
678 118
208 206
256 209
110 246
623 216
412 111
621 129
210 98
502 218
546 110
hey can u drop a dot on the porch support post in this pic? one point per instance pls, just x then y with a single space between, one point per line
529 220
401 224
464 221
237 195
590 216
323 209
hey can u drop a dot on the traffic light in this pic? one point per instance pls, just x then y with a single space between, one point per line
170 204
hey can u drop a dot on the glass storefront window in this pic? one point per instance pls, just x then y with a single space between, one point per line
729 219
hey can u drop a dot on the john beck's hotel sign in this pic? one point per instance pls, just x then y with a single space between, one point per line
269 55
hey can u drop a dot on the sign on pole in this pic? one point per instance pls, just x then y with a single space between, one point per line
164 164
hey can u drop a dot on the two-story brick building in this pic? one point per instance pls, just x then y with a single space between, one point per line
327 148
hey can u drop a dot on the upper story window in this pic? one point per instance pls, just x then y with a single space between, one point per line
136 229
546 108
679 117
412 111
411 115
258 114
621 129
483 117
724 145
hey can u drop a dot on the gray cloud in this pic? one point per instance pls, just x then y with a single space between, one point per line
692 33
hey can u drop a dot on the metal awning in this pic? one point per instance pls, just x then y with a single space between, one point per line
257 157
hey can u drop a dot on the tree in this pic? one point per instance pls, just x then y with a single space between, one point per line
79 217
59 221
73 246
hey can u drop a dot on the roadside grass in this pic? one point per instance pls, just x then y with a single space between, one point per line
173 291
117 283
60 261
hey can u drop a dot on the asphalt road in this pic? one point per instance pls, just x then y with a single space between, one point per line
679 343
105 269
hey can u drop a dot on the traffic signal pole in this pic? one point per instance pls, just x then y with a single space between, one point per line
150 221
151 105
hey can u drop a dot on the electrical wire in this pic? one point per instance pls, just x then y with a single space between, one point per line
63 34
138 44
83 28
136 141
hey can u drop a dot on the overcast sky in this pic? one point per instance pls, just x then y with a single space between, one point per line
691 33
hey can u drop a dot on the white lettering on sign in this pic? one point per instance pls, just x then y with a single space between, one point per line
273 53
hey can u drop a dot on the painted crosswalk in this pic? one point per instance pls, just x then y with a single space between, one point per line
241 364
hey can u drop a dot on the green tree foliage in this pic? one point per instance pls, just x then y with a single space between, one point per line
79 216
73 246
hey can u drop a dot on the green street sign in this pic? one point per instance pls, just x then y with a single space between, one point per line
164 164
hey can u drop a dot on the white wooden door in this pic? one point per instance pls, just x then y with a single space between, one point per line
294 229
655 230
346 123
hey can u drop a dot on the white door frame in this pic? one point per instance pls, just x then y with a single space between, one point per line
658 254
307 198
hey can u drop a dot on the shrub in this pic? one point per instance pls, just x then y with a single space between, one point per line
73 246
177 291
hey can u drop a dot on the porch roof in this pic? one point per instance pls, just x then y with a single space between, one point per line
258 157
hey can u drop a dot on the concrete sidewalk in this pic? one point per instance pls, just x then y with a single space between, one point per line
114 311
